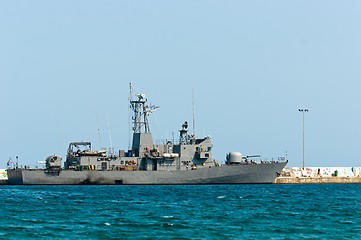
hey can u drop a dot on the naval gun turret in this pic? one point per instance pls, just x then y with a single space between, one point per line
53 163
234 158
238 158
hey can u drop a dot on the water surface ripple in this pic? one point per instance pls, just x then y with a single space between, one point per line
181 212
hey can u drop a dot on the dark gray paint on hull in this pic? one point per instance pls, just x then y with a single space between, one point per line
225 174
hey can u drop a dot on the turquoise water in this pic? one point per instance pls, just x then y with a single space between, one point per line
181 212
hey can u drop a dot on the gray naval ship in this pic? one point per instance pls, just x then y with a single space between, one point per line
188 160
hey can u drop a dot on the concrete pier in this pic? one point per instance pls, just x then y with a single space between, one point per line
317 180
3 182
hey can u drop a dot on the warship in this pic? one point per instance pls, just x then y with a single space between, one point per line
187 160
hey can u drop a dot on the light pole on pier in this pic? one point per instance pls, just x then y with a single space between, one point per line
303 135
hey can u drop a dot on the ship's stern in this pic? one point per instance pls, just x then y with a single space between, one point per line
15 176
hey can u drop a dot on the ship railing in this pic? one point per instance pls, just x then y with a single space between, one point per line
264 160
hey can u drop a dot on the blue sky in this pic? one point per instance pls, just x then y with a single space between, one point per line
66 65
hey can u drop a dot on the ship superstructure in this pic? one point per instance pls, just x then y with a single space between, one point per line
186 154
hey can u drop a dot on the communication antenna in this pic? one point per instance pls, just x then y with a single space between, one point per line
110 136
100 139
194 124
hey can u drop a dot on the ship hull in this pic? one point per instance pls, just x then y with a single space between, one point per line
225 174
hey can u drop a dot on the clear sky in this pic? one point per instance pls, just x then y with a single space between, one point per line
66 65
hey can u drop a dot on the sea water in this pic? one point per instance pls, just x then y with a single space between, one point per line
181 212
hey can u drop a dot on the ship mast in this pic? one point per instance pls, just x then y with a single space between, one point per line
129 114
141 111
110 138
194 121
142 137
